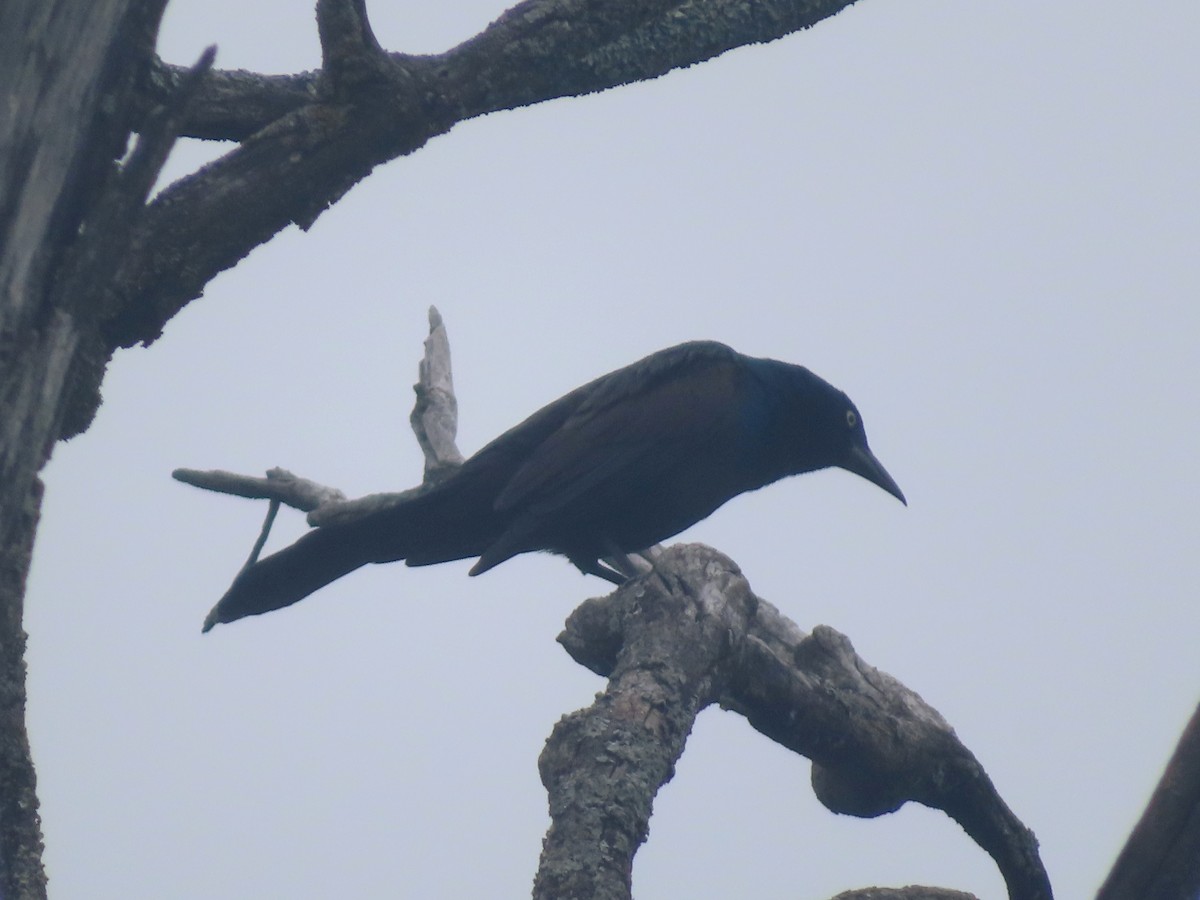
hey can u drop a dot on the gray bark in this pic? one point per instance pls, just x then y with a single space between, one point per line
692 634
67 69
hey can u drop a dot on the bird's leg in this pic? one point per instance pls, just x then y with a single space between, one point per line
597 568
629 565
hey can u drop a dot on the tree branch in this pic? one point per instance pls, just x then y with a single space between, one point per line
231 104
691 634
434 417
280 486
1160 859
351 56
913 892
434 421
377 107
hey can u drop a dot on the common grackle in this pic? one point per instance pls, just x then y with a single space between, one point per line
615 466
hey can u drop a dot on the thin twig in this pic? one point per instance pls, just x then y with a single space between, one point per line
272 509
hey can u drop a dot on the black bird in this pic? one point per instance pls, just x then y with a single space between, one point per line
612 468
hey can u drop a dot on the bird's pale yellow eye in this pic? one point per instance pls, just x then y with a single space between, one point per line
851 419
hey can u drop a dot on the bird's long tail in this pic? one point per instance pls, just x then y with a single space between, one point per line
281 579
452 521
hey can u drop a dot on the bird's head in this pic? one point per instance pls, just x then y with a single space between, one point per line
855 455
820 427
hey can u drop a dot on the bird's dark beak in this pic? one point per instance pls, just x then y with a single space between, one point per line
861 461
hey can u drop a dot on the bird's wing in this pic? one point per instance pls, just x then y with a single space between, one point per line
638 421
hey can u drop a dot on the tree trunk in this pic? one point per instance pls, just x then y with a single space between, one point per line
67 68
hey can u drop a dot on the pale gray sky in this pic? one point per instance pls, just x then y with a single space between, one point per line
979 219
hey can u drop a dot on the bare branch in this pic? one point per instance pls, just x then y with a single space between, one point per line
91 262
351 56
913 892
435 415
434 421
1160 859
280 485
603 765
877 745
292 168
159 132
231 104
692 634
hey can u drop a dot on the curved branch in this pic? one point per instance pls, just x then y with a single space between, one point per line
878 746
289 169
692 634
